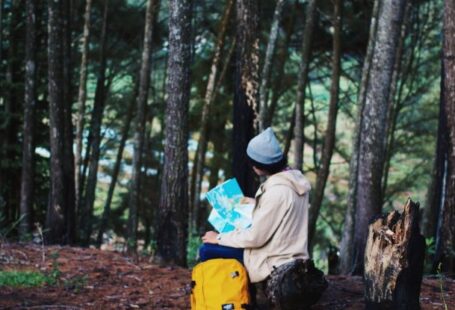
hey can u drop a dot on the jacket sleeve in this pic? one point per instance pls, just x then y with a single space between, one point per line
270 212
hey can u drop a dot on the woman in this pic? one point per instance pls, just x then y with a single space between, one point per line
279 230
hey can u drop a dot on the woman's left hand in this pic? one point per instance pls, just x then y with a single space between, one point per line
210 237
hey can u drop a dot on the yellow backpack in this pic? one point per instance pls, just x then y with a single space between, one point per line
219 284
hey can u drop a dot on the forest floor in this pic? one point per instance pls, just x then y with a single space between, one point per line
94 279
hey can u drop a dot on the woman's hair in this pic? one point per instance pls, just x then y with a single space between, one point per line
270 168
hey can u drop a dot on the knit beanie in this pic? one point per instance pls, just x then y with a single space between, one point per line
264 148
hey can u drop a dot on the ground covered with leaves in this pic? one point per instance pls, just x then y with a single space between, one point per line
82 278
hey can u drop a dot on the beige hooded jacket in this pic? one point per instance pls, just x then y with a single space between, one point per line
279 232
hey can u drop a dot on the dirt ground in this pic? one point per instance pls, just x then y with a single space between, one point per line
95 279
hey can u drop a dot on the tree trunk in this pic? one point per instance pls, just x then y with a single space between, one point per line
1 32
116 170
394 104
86 216
299 124
55 218
28 144
68 164
9 166
329 139
435 192
347 240
373 130
266 69
82 94
281 62
172 233
201 214
245 96
446 252
139 136
197 173
394 257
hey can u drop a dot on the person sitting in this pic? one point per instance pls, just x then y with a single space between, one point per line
279 230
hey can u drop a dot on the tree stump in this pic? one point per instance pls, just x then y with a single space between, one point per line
394 257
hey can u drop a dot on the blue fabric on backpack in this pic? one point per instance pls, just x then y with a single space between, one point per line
210 251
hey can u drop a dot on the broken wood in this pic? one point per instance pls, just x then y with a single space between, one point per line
394 260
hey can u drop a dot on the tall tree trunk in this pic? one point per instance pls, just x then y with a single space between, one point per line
299 140
55 218
116 170
68 164
200 215
436 190
86 211
172 233
246 86
329 139
82 95
10 165
446 254
281 62
1 32
394 105
270 52
373 130
198 167
139 136
347 239
28 145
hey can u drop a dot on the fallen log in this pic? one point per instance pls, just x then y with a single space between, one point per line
394 257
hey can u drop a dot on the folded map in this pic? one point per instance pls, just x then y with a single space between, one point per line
228 212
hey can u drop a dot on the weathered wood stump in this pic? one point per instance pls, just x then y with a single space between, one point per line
394 257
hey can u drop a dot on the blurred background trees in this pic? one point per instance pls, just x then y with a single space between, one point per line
113 126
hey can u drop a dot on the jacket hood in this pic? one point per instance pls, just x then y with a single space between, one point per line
292 178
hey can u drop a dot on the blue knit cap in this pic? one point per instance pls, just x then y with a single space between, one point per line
264 148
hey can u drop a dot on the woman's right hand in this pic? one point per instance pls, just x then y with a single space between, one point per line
247 201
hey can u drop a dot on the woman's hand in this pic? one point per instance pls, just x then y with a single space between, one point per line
210 237
248 201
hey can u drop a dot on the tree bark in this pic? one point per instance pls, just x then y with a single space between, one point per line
68 164
1 31
82 94
446 252
139 136
373 130
28 144
55 218
172 233
10 184
394 257
435 198
329 139
245 96
268 61
394 105
197 173
88 201
310 17
116 170
281 62
347 240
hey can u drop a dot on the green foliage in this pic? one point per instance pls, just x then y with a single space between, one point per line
23 279
194 242
16 278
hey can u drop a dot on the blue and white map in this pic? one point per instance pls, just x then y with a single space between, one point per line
228 212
